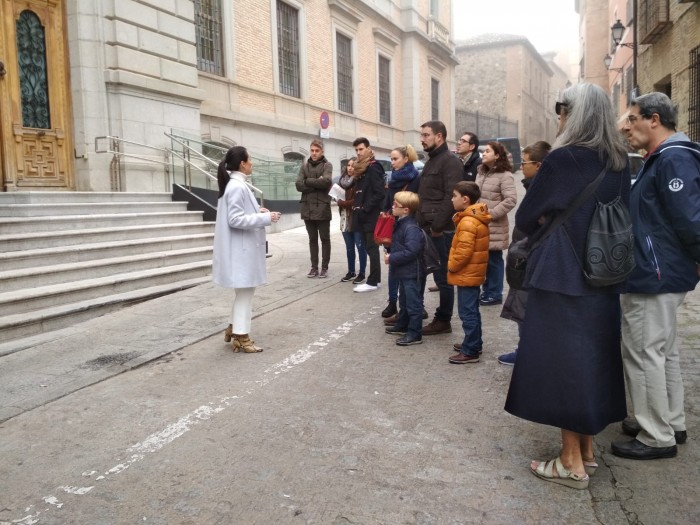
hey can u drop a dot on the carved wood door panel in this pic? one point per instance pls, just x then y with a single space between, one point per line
35 109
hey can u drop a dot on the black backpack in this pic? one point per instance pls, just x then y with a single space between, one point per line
430 257
609 257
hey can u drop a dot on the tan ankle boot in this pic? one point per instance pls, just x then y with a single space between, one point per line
228 334
243 343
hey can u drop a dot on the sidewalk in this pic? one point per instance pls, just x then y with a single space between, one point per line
61 362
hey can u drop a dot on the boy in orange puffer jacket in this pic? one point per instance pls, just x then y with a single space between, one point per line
466 266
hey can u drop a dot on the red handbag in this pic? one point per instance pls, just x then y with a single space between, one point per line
384 229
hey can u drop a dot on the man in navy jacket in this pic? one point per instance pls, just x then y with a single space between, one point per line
665 210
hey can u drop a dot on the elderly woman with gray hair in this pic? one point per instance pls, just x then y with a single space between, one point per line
569 368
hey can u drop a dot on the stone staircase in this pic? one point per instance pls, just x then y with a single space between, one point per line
70 256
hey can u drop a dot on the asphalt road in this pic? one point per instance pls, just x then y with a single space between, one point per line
331 424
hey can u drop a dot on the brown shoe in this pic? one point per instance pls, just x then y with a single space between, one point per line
391 321
458 347
461 359
436 326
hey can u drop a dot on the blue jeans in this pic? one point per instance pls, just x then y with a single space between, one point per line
493 286
393 285
447 291
410 307
468 308
352 240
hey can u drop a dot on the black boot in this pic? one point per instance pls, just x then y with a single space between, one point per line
390 309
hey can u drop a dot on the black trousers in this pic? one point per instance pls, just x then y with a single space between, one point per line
375 269
321 229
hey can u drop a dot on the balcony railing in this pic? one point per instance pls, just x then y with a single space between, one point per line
438 32
654 19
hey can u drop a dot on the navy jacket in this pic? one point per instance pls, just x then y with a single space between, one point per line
407 243
369 197
665 210
472 166
564 174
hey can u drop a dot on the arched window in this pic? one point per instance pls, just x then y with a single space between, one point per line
33 79
293 157
214 150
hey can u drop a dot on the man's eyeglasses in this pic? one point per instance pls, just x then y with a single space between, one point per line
528 162
464 141
558 106
631 119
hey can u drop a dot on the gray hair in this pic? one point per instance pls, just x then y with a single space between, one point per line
590 122
660 104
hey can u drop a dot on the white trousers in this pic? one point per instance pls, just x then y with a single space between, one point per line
652 365
242 310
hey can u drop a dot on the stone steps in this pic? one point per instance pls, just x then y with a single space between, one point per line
69 256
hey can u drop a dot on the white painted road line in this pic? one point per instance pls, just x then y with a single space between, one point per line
169 434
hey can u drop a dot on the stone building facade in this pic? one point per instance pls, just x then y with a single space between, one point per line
664 42
505 75
258 73
669 58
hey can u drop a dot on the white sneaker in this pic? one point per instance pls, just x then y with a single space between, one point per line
364 288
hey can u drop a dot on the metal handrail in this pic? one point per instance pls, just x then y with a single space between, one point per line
115 164
202 156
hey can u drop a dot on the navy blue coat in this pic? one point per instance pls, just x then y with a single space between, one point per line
564 174
665 210
407 243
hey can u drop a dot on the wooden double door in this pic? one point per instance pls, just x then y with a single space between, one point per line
36 143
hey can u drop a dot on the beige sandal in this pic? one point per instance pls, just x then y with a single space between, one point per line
546 470
590 465
228 333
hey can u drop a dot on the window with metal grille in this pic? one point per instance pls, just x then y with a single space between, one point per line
434 99
288 49
344 63
384 90
207 28
694 96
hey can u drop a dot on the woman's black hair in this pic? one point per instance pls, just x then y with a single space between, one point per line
231 162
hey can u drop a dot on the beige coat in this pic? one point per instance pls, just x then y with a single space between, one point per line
498 193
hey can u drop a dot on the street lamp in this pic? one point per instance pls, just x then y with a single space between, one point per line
607 61
617 31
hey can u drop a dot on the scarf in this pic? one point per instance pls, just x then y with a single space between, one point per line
403 177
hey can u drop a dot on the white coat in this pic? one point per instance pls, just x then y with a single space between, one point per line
239 237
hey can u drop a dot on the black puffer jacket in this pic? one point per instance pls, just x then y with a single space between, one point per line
314 181
439 176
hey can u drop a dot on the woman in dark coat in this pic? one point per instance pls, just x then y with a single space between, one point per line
569 370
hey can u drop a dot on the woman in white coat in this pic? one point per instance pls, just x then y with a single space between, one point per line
239 244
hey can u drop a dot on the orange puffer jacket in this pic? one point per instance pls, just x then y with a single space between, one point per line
469 254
